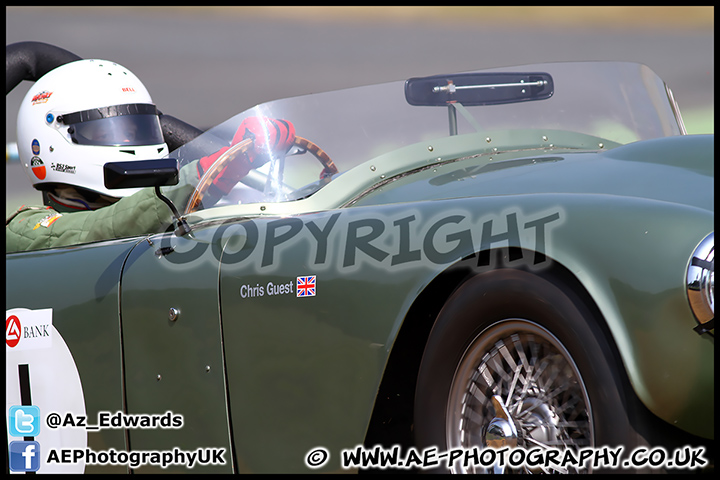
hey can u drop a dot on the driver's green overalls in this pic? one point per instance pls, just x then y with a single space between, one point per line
34 228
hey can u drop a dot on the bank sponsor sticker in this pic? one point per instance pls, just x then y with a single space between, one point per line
28 329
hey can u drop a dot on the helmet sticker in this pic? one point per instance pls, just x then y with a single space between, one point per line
35 147
38 167
62 168
41 97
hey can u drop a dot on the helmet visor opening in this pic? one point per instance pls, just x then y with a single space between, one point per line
130 130
121 125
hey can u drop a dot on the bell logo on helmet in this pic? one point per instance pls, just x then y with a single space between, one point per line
38 167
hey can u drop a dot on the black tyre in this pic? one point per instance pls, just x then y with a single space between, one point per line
515 360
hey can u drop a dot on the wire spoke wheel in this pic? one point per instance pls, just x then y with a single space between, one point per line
517 386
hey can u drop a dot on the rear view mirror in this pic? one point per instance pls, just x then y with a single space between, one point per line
141 173
470 89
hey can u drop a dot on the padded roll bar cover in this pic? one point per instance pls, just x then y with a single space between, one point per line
176 132
32 60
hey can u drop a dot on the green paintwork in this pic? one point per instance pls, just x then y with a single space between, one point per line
174 365
288 374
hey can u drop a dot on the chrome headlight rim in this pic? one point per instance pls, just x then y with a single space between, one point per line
700 280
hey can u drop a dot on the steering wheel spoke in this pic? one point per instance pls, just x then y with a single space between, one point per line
211 174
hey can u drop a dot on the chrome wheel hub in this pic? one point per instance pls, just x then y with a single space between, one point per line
501 431
517 386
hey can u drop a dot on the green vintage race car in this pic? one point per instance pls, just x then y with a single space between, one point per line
516 257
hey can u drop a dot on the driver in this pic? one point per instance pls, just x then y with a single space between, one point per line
83 114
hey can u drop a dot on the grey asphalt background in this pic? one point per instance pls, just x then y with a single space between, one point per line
205 64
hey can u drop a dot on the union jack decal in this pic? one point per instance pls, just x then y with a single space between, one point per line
306 286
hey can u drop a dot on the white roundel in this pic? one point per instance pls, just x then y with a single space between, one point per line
40 368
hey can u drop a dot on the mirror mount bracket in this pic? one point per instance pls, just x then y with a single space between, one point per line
182 225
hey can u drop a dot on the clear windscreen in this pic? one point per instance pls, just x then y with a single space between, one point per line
620 102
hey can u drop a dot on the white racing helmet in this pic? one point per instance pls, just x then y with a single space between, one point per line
81 115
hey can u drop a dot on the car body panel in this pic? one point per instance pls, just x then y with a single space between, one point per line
267 375
174 365
615 186
345 333
669 169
